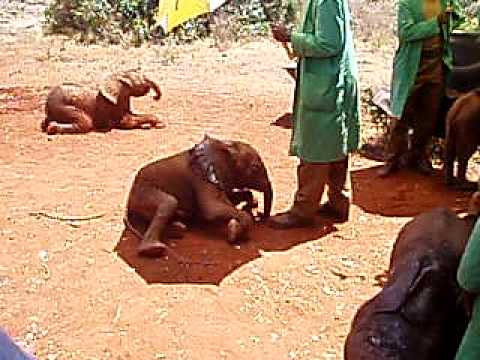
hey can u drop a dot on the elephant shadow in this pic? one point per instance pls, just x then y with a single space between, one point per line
405 193
203 256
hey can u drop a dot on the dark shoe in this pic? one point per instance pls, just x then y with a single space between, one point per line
388 169
289 220
328 210
424 167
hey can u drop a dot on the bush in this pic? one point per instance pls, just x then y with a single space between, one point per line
112 20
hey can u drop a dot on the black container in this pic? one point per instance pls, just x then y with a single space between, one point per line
466 48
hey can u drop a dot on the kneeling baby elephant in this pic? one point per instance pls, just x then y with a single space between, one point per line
462 138
417 315
74 109
205 182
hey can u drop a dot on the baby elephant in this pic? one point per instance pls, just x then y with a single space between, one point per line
73 109
205 182
463 137
417 315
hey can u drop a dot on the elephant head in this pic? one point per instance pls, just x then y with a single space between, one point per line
419 298
119 87
234 165
416 285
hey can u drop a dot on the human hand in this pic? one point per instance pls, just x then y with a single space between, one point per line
280 33
445 16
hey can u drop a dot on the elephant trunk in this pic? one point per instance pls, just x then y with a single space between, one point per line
265 186
267 199
153 85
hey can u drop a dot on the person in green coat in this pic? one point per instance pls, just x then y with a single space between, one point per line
468 277
421 65
326 116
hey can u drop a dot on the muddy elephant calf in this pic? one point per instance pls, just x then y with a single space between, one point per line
205 182
462 138
418 314
73 109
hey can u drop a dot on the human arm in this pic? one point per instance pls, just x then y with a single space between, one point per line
410 30
327 37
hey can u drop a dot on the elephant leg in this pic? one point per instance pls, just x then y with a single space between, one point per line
73 121
463 183
245 196
450 155
216 207
161 208
131 121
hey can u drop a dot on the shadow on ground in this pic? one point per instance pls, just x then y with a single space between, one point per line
203 256
284 121
405 193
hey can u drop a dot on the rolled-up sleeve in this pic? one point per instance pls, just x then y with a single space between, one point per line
328 36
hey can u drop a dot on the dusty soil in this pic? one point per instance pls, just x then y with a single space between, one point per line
74 289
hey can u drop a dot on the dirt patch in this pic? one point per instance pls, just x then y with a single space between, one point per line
77 290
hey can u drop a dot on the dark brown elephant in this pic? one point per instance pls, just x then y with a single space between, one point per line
462 138
205 182
418 314
74 109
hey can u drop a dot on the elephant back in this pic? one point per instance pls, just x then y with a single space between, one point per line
78 96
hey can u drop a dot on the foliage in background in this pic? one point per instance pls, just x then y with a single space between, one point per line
472 11
134 20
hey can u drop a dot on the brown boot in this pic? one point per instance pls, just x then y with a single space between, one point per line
338 214
289 220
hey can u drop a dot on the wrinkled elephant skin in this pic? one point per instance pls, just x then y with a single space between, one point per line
72 109
206 182
462 138
417 314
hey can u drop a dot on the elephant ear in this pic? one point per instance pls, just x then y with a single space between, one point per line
114 84
396 291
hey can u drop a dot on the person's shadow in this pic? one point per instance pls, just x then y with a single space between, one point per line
203 256
284 121
405 193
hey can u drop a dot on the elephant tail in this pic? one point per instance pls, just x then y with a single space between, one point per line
44 124
129 226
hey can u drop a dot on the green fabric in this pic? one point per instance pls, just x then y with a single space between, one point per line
412 30
469 348
469 269
468 277
326 107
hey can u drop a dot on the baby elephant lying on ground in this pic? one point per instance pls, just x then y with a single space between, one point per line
205 182
462 138
417 315
74 109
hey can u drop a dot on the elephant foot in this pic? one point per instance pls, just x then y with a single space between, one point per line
176 230
51 128
152 249
157 124
234 230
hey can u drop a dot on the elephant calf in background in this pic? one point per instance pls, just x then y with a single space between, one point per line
74 109
418 314
205 182
462 138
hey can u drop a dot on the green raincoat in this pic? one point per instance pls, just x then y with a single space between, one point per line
326 106
469 279
412 30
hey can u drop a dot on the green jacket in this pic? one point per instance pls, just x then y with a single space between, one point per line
412 30
326 107
468 277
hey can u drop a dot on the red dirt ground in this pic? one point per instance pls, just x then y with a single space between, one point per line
77 290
